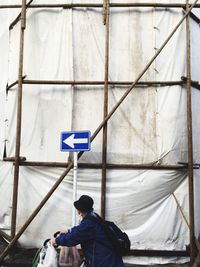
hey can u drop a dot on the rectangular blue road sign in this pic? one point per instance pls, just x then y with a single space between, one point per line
75 141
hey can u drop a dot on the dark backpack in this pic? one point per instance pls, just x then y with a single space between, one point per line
119 239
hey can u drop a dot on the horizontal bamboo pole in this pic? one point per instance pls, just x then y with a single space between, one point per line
98 165
96 5
120 83
194 84
159 253
102 82
13 159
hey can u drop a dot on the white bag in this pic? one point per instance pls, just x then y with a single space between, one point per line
51 259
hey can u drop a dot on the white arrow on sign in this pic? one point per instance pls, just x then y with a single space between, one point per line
71 141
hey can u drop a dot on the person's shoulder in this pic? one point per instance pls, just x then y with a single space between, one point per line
87 224
91 218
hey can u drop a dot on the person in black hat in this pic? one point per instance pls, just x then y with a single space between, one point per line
97 248
84 204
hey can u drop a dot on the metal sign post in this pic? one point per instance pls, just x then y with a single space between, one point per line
75 141
75 186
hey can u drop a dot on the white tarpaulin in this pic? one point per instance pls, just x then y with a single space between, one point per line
149 127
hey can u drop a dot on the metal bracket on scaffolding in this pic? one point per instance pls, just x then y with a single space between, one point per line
196 166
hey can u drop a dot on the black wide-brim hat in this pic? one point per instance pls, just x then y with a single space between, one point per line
84 203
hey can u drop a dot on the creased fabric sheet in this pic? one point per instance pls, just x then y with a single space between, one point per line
150 215
195 72
6 16
132 129
57 212
87 115
88 63
130 54
6 184
196 153
4 39
46 108
88 44
143 208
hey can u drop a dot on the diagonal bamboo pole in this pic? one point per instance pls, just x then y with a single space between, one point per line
197 260
38 208
188 225
181 210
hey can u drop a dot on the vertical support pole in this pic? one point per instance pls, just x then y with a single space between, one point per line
18 125
104 144
190 143
74 187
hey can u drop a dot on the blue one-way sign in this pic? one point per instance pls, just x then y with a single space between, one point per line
75 141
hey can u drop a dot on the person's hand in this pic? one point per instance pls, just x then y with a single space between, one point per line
63 231
56 234
53 242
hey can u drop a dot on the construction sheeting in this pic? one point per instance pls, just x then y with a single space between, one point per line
149 127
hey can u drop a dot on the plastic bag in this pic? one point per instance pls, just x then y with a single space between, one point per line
37 258
69 257
83 264
51 259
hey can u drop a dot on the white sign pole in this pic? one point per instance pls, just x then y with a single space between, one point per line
74 187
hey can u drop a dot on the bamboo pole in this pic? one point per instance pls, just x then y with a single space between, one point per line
190 144
38 208
60 82
195 84
181 210
96 5
18 126
105 113
108 166
151 166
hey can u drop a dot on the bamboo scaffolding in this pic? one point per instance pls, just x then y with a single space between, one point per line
38 208
190 144
105 112
18 126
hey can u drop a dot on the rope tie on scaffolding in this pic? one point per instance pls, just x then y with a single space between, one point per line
22 16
